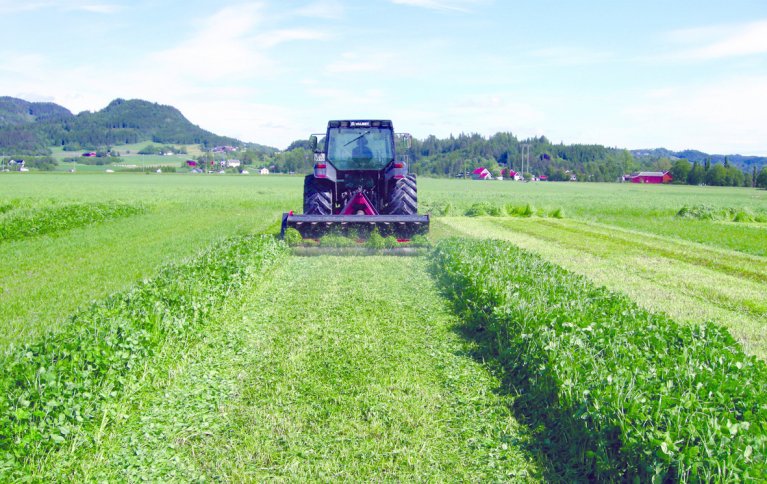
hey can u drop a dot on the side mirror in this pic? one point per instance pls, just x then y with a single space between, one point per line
406 139
313 142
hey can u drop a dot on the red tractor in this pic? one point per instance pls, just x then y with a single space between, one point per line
359 184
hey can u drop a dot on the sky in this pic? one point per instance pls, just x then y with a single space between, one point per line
678 74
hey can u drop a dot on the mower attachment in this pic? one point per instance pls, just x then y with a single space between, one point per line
315 226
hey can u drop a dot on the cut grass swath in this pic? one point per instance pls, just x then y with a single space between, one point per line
41 220
623 393
54 389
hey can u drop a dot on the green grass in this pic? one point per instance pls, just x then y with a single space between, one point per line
31 219
624 394
44 279
129 156
691 282
651 209
323 374
56 389
348 368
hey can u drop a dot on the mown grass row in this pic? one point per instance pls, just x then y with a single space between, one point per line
54 392
621 392
728 214
22 221
481 209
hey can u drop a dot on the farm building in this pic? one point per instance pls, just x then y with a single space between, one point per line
650 177
513 175
481 174
264 171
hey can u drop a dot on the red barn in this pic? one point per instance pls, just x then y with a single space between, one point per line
481 174
651 177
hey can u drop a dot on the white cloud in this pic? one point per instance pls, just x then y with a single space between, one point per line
722 41
12 6
568 56
273 38
450 5
724 116
353 62
20 63
225 46
327 9
98 8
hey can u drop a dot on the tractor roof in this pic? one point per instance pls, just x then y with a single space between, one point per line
360 123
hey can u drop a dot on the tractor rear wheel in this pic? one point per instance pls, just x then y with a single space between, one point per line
318 199
403 198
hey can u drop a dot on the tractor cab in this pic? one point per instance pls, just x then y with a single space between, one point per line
359 183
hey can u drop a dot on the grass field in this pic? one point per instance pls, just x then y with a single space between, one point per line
325 368
129 156
46 278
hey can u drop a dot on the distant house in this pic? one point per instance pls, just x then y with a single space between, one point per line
264 171
515 175
191 163
481 174
650 177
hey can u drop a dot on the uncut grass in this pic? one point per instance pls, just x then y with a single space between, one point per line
684 290
647 208
353 371
44 279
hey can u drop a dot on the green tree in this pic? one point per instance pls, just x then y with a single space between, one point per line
734 176
697 175
681 170
716 175
761 178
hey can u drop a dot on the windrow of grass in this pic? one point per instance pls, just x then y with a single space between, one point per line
690 282
492 209
622 393
23 220
53 392
727 214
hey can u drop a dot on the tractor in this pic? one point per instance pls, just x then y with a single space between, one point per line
359 185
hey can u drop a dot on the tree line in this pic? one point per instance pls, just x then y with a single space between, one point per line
716 174
458 155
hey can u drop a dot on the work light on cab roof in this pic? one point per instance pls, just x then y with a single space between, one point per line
359 184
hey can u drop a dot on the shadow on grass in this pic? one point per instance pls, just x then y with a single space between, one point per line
561 455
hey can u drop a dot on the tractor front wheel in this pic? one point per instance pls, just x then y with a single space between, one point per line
403 198
318 199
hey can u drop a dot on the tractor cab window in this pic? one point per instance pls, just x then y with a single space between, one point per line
360 148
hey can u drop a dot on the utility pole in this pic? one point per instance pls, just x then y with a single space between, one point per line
525 155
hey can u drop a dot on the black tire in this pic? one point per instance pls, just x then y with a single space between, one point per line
318 199
403 198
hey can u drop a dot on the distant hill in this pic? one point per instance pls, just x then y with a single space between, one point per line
29 128
745 163
17 112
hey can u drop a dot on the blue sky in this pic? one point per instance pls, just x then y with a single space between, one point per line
632 74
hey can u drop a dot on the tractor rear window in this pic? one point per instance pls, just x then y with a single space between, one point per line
360 148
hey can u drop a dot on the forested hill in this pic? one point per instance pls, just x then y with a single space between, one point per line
14 112
745 163
28 128
454 155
